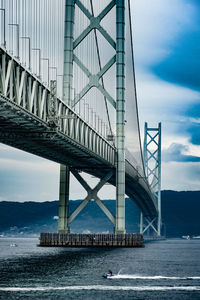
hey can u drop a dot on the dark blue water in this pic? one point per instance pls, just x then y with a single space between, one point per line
167 269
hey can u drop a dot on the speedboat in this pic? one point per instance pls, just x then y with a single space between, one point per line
186 237
13 245
107 275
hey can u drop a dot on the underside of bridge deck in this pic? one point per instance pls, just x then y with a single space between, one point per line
21 129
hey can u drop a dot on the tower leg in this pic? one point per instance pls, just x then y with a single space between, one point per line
159 216
120 118
63 226
68 51
141 223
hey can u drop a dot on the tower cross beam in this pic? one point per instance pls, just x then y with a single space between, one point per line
94 80
151 171
92 195
155 185
95 24
152 155
152 139
150 224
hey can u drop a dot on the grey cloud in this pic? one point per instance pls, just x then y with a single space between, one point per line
175 153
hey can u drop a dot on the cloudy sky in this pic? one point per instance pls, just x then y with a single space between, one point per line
167 47
166 44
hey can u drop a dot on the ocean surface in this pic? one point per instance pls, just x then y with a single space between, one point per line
167 269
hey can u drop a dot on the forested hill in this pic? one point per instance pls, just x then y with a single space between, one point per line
180 214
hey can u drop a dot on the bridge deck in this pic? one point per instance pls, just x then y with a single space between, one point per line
90 240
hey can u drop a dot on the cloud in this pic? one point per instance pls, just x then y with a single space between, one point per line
180 176
179 153
194 132
156 26
182 64
26 177
163 101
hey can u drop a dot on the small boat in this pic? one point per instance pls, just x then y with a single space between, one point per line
186 237
107 275
13 245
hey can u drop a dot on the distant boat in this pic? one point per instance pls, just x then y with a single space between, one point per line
196 237
186 237
13 245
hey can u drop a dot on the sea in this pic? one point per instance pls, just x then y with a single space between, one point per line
168 269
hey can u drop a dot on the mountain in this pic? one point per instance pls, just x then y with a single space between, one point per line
180 215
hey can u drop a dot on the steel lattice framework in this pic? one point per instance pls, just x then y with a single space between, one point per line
152 161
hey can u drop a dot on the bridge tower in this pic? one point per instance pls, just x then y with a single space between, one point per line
152 164
95 80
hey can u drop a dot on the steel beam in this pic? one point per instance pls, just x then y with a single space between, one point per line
159 181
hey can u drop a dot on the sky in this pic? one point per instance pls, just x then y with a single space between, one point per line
166 35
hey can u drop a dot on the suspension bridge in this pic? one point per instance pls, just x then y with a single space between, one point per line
68 94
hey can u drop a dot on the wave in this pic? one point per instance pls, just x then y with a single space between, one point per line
101 288
127 276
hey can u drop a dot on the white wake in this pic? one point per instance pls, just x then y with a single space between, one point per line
101 288
158 277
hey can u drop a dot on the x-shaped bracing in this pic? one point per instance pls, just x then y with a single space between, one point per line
152 138
94 78
150 224
95 23
91 195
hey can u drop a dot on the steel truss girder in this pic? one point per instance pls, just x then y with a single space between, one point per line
91 195
94 78
24 94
